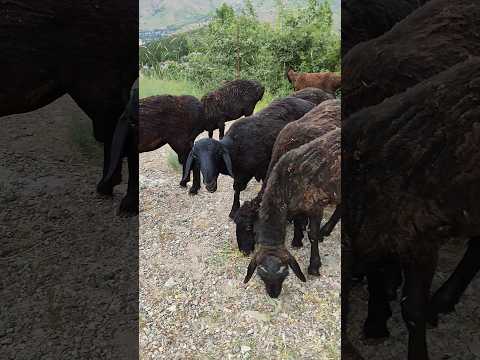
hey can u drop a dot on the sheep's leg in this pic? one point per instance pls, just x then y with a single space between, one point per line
418 280
210 134
315 236
196 178
299 225
449 294
238 186
221 130
182 159
392 279
379 311
104 187
129 204
330 224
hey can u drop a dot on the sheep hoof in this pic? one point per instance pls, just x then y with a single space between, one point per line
193 191
105 188
375 330
315 271
183 184
297 244
128 206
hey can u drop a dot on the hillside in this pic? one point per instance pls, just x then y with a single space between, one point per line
184 14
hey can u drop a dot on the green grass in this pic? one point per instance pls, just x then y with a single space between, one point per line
172 160
151 86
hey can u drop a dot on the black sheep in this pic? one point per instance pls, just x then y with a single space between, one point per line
317 122
244 153
435 37
410 182
364 20
314 95
231 101
304 181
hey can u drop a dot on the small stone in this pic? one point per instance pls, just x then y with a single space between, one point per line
172 308
244 349
170 283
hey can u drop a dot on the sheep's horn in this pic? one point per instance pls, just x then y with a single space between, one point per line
296 268
251 269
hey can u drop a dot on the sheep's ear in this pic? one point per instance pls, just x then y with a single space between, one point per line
188 166
228 162
296 268
251 269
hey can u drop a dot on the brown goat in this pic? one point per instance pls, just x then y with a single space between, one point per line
327 81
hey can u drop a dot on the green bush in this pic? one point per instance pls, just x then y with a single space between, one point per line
240 45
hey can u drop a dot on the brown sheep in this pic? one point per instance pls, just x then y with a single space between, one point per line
326 81
303 181
316 123
172 120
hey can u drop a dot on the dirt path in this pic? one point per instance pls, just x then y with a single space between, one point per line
457 336
66 288
193 303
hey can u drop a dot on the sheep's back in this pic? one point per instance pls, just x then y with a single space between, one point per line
167 118
364 20
314 95
308 178
429 41
232 99
254 136
314 124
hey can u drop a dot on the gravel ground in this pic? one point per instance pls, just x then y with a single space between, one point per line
193 303
456 337
68 264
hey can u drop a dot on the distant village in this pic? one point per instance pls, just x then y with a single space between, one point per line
147 36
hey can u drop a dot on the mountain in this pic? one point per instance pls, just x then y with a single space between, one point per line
173 15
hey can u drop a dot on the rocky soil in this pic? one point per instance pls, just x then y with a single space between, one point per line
68 264
193 303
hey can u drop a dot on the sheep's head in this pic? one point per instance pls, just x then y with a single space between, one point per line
272 267
213 158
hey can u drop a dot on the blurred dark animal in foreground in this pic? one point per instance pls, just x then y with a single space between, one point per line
68 57
432 39
410 182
